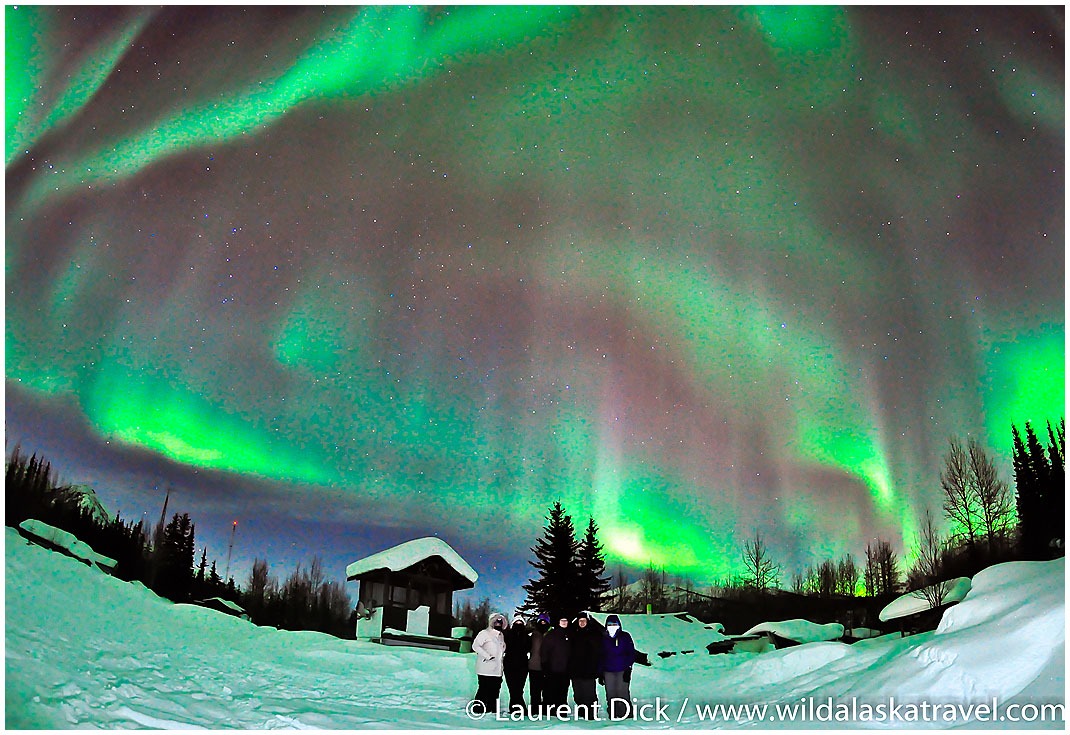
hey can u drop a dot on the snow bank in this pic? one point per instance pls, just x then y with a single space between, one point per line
1016 616
87 650
912 603
413 552
1006 636
1005 594
67 541
224 606
790 664
800 631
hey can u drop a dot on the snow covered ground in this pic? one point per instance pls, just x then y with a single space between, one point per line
85 650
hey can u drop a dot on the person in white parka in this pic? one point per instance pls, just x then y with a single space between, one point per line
489 648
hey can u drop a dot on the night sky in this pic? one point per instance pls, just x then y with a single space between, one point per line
350 276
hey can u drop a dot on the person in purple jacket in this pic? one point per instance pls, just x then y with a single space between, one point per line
618 657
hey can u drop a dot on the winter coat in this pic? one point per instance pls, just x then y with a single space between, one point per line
586 652
489 648
535 660
517 645
618 652
556 649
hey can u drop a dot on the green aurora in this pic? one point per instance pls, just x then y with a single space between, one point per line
692 271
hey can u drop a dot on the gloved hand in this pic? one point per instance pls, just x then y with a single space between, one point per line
601 680
628 674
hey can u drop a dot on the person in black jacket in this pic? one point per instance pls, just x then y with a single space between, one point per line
585 664
517 648
535 680
556 650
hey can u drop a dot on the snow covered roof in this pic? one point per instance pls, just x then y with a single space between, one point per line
915 602
801 631
410 553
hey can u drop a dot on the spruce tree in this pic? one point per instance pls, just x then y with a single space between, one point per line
1026 495
1039 489
1057 447
1056 495
176 554
1037 460
200 588
555 590
202 566
591 568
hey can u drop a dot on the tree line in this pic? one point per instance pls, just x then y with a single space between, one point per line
1040 479
305 600
164 558
986 524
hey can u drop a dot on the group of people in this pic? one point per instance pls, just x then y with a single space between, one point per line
550 656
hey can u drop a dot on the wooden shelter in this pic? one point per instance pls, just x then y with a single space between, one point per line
405 593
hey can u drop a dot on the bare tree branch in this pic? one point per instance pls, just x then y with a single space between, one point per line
761 572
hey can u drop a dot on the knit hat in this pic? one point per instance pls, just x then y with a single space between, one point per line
518 619
543 618
612 620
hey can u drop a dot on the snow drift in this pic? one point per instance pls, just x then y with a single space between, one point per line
800 631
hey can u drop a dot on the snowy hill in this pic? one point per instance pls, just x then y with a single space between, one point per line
86 650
